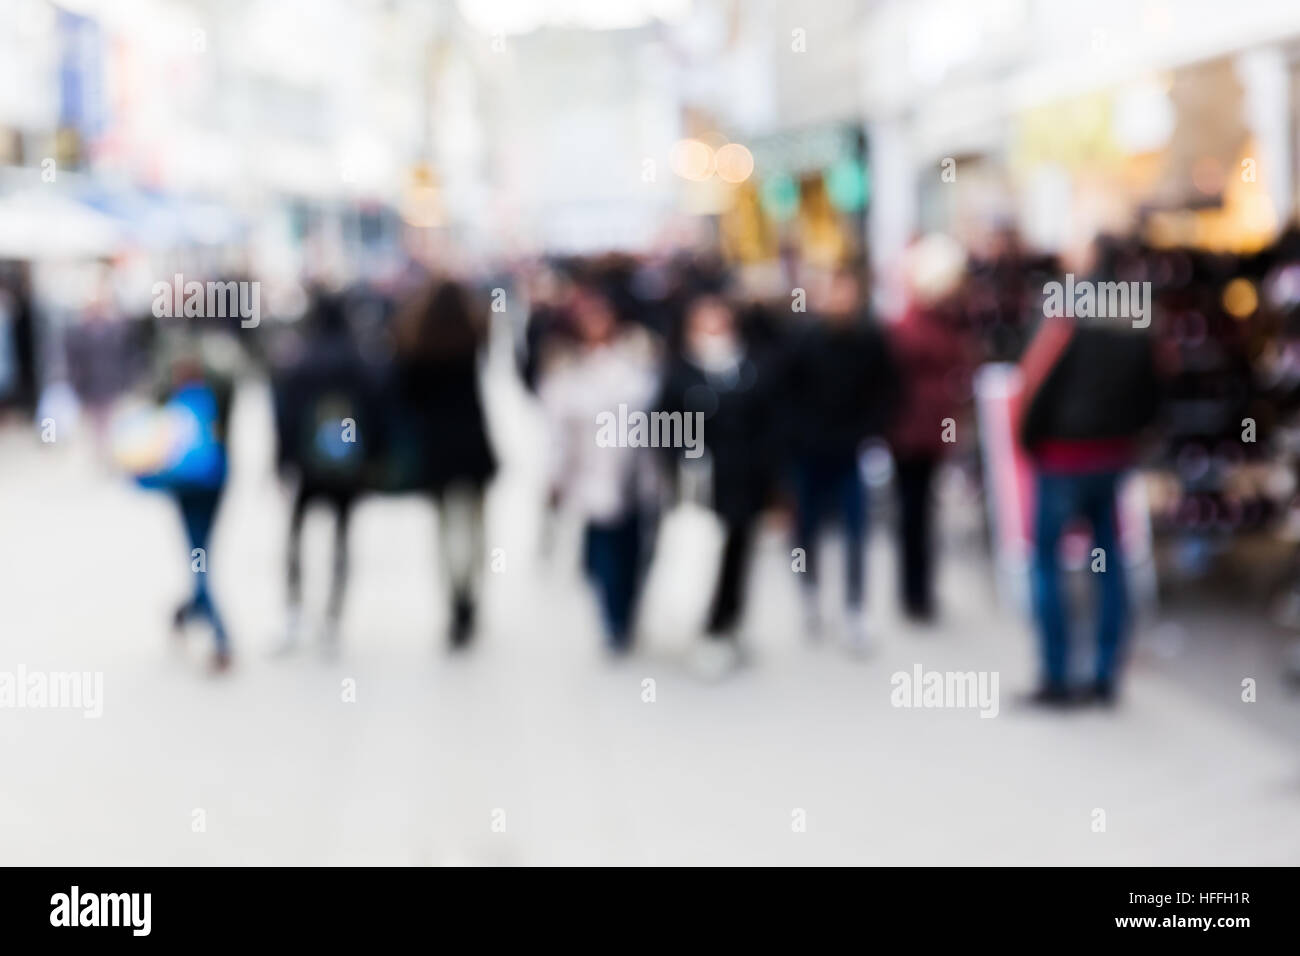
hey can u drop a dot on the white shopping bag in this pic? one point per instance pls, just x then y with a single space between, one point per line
684 567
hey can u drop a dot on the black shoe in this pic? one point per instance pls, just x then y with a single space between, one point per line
618 650
462 622
922 612
1050 696
1101 692
179 618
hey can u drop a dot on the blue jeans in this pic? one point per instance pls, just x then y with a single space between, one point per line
199 513
612 559
1061 499
832 485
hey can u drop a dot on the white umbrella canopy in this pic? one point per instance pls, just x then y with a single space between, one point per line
41 224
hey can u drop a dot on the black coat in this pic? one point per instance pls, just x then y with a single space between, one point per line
740 431
441 404
841 386
328 380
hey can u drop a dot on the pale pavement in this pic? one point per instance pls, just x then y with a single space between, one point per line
538 725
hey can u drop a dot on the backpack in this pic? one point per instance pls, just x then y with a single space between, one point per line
332 447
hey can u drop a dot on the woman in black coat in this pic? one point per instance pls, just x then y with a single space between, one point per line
728 391
440 337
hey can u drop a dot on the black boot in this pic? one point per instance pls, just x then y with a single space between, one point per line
1101 692
1051 696
462 622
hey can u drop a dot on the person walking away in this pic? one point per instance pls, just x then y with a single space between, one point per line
934 356
193 471
328 430
98 351
441 336
841 388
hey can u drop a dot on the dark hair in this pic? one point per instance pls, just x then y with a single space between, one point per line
442 323
326 316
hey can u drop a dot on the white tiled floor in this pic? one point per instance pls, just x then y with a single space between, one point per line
537 724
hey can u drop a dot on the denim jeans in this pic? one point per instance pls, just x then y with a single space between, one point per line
832 486
198 513
1061 499
611 558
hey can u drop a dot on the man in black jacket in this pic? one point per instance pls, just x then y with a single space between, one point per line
1090 388
841 388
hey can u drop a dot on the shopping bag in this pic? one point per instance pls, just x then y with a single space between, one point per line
141 440
685 563
175 447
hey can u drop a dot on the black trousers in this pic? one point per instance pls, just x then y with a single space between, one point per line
915 478
729 592
340 502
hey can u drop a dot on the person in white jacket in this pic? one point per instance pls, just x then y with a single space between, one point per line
605 484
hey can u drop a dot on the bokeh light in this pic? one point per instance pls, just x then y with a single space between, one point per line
734 163
692 160
1240 299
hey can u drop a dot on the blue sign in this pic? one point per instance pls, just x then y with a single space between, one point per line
81 75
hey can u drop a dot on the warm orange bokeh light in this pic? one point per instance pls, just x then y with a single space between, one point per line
1240 298
692 160
735 163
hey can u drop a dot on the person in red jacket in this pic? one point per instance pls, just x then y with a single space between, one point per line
934 356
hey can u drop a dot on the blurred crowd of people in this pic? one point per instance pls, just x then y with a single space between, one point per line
377 390
785 405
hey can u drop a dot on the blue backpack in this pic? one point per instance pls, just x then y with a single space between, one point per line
333 446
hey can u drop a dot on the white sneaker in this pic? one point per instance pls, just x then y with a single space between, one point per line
857 634
713 658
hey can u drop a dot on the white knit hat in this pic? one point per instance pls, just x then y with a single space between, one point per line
935 267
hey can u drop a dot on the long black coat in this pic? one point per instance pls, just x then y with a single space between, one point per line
441 402
739 430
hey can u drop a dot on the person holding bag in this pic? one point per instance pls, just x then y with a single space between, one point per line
608 487
716 380
188 461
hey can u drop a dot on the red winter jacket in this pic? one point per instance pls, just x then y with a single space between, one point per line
935 357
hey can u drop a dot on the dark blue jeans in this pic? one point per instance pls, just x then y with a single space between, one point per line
199 514
832 486
1061 499
612 560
